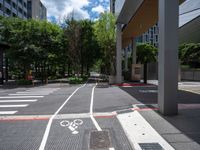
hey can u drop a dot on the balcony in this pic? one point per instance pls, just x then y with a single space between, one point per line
14 10
7 5
15 1
6 15
25 9
20 15
20 5
1 13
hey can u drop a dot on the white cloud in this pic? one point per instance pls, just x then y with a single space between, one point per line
62 8
98 9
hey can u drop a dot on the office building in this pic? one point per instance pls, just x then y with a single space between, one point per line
36 10
112 6
13 8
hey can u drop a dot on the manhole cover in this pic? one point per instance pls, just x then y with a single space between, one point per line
150 146
99 140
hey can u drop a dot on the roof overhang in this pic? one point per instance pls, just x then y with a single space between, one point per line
189 33
139 16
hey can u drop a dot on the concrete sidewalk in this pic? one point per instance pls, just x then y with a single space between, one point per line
182 131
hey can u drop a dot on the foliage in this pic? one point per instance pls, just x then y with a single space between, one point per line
46 49
190 54
104 30
146 53
33 43
76 80
24 82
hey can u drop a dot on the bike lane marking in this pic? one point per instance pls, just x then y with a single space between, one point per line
91 110
46 134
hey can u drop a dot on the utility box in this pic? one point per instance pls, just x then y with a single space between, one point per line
136 72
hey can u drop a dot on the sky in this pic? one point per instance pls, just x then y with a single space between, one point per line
83 9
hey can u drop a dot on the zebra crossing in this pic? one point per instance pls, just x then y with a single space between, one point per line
22 99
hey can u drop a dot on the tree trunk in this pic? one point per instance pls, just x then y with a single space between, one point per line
145 73
6 70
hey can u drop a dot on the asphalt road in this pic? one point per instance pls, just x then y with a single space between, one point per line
84 117
62 117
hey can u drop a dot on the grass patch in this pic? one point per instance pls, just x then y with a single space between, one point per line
77 80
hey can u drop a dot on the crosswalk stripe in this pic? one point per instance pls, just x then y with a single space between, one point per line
9 97
7 112
11 101
26 94
6 106
39 92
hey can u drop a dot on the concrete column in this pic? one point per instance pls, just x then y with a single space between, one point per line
119 54
126 59
168 56
1 66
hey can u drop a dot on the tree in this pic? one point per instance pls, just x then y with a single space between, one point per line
146 53
32 45
90 50
190 54
104 30
73 32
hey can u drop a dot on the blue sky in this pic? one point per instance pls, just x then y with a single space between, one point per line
83 9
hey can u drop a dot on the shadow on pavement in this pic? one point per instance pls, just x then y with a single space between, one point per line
188 119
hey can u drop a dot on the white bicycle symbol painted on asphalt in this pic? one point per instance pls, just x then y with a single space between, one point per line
72 125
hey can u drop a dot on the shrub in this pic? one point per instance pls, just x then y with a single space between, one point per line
24 82
76 80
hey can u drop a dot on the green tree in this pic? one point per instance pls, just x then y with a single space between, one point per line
104 30
32 45
146 53
190 54
90 50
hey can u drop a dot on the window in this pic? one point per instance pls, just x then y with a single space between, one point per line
25 14
14 15
20 10
8 12
8 1
20 1
24 4
14 5
1 7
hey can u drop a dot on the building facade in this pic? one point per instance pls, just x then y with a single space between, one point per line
150 36
112 6
36 10
13 8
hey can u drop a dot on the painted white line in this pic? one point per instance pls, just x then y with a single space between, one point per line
138 130
11 101
46 134
112 148
39 92
28 94
11 106
91 110
7 112
9 97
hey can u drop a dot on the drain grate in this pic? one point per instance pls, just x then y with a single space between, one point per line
150 146
100 140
